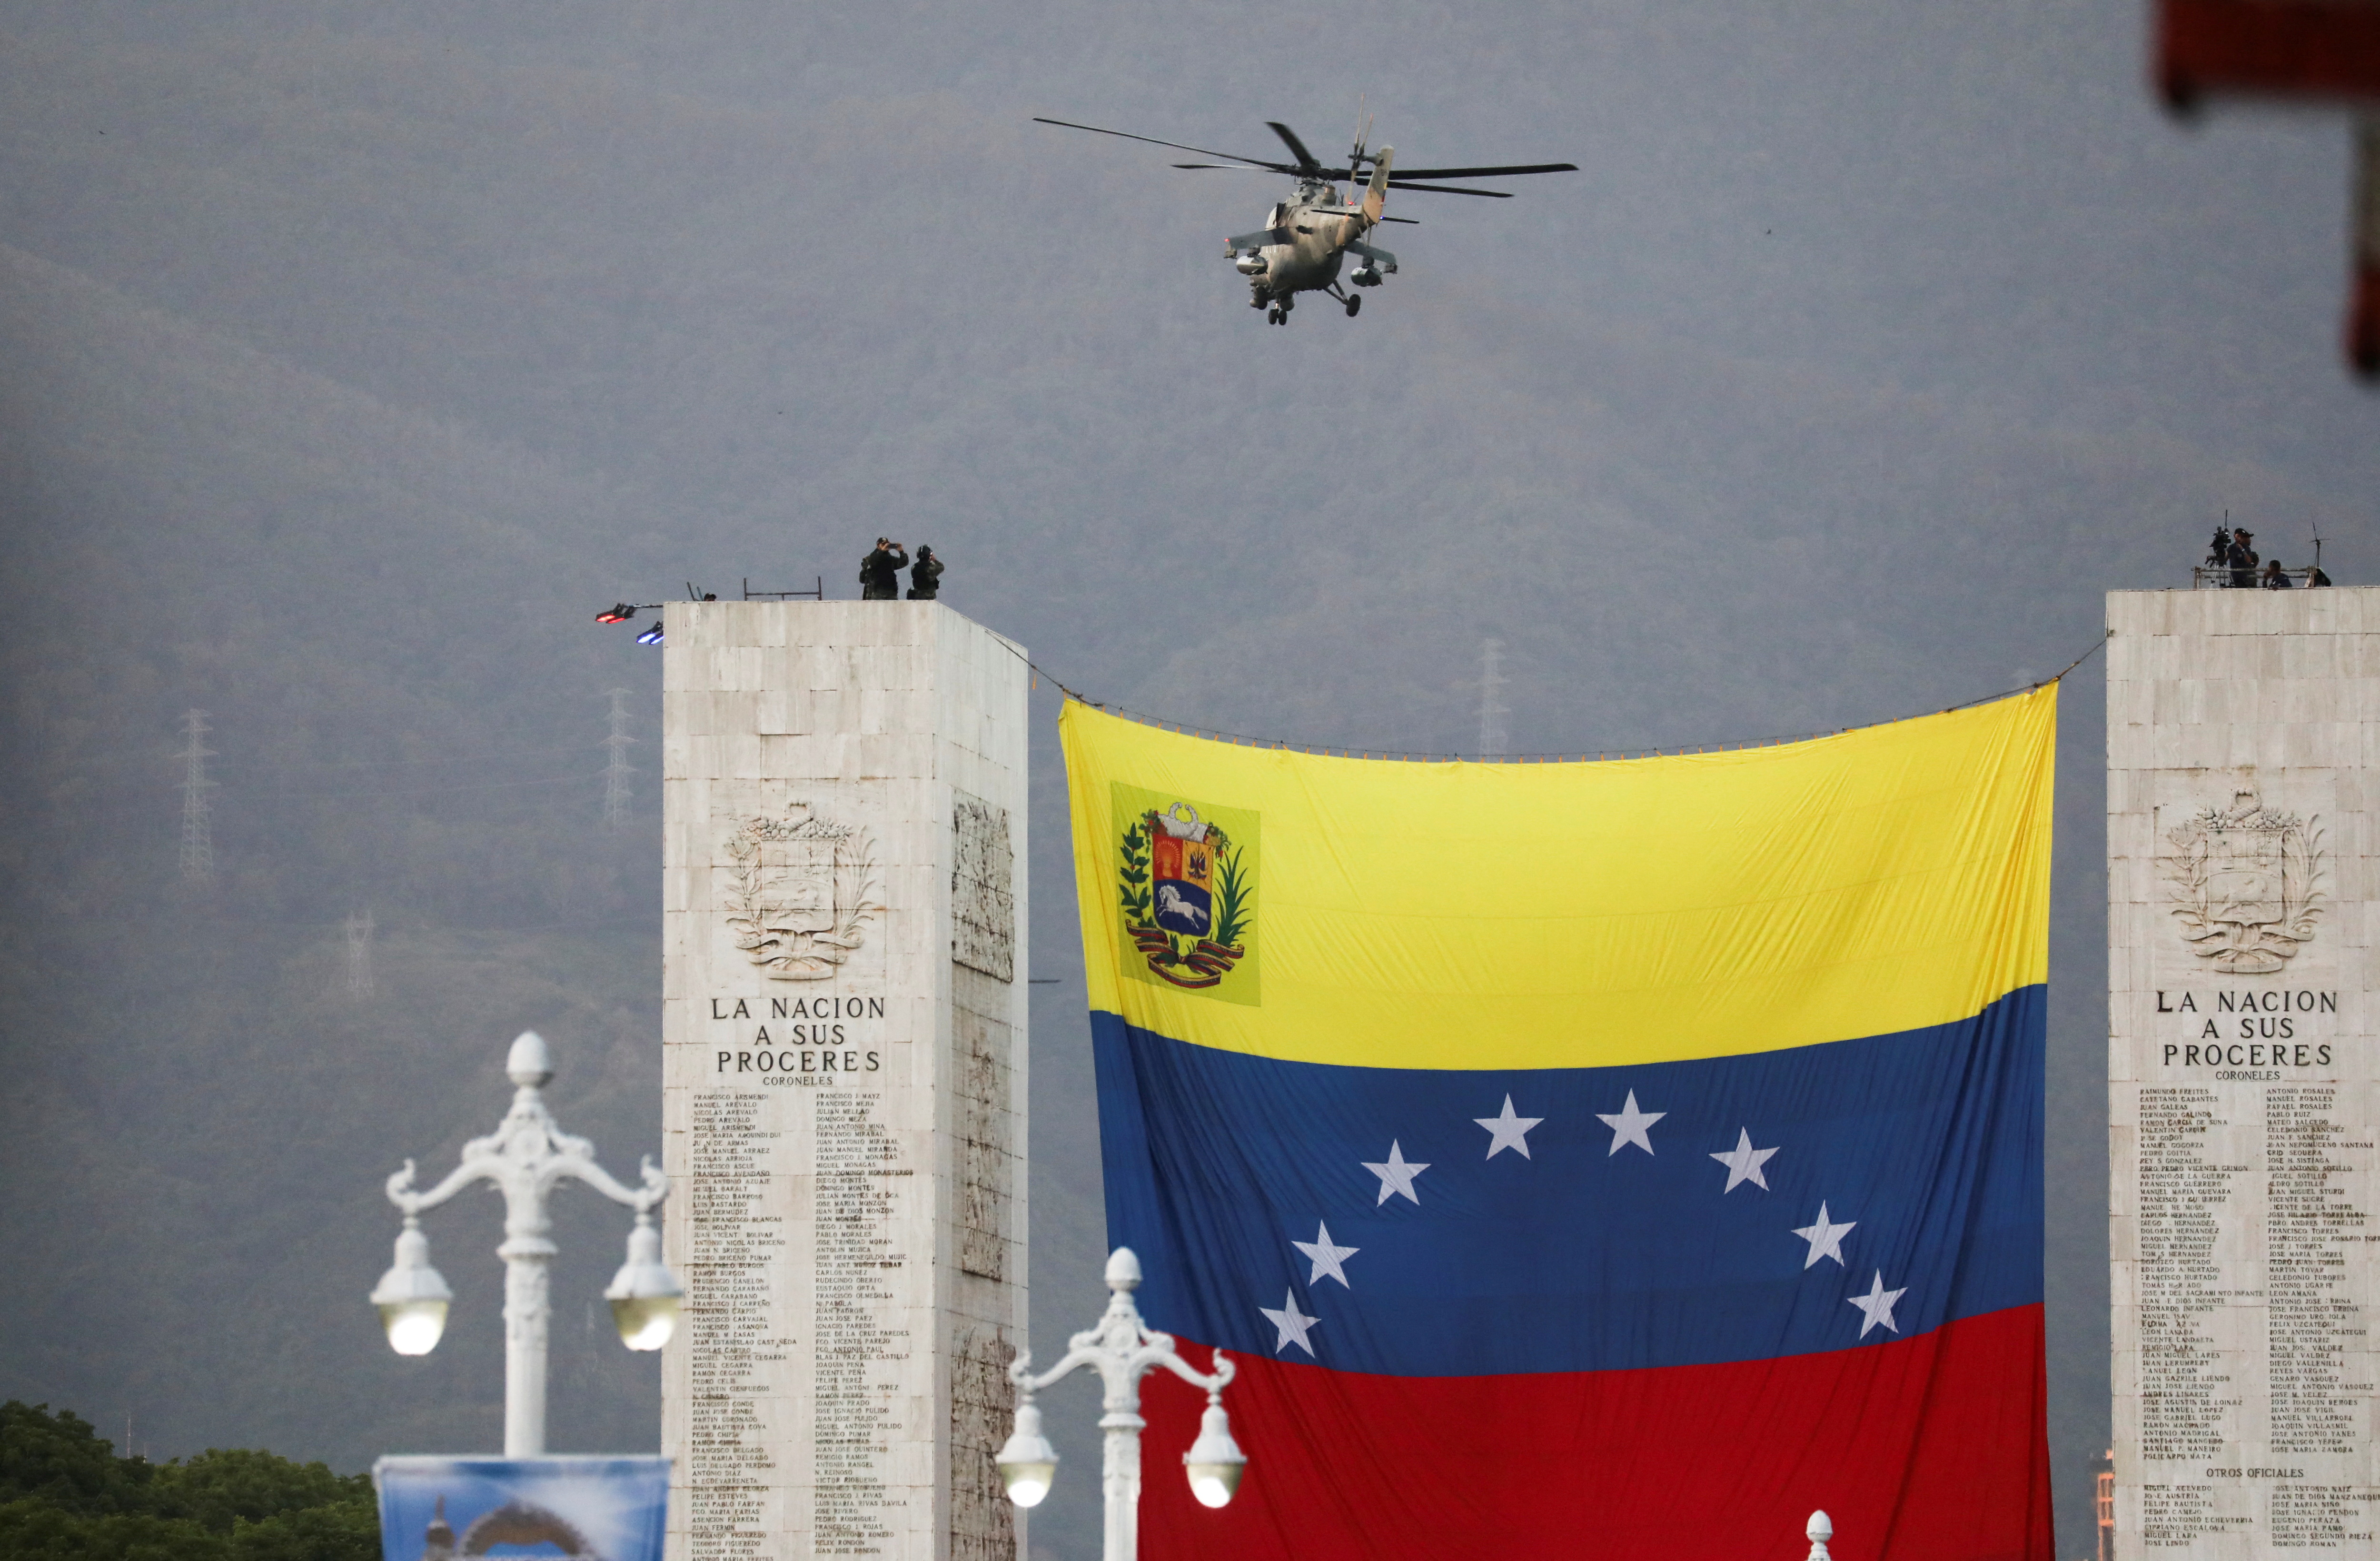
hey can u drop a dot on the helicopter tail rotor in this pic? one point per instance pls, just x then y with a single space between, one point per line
1363 138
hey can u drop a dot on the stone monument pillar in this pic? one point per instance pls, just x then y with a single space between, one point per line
2242 727
845 1076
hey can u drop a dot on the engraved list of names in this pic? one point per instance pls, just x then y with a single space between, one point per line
2242 1086
799 1336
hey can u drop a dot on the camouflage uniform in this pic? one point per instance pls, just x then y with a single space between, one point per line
879 574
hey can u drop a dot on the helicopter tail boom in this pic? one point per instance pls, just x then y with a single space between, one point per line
1375 194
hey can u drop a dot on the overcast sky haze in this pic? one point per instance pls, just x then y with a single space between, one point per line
359 353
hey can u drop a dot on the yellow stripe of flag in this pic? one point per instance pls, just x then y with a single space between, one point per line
1489 916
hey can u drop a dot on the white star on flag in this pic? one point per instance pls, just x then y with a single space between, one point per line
1397 1176
1743 1164
1294 1325
1628 1126
1328 1259
1875 1307
1507 1132
1825 1240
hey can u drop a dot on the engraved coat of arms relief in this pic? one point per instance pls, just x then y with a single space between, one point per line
2246 885
801 893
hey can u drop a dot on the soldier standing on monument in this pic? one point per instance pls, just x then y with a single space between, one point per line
880 572
2243 558
925 576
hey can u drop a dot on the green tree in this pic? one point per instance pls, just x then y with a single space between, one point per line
66 1496
337 1531
59 1461
221 1488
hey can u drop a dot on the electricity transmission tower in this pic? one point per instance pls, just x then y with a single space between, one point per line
359 970
197 838
1493 738
616 774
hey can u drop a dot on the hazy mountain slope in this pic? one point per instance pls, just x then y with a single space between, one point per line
206 1112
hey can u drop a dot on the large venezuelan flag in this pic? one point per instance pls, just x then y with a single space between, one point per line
1622 1158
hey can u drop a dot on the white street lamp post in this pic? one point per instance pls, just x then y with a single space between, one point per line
526 1155
1122 1350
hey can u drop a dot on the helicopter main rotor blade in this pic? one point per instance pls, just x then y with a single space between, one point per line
1268 168
1127 135
1451 190
1307 162
1486 173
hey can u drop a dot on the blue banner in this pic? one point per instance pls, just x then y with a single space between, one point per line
584 1509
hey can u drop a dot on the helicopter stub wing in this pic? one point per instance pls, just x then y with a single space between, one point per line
1259 240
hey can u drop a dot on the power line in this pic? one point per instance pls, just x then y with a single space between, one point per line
1493 738
359 969
616 774
424 790
399 763
144 800
197 837
124 762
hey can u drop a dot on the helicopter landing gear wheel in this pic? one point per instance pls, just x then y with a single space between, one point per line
1277 316
1354 306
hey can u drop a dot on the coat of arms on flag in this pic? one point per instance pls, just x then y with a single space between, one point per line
1185 880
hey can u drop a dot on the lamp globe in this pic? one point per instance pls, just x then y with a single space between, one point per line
1028 1465
1214 1461
412 1297
645 1295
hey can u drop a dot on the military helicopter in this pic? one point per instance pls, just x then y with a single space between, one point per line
1307 238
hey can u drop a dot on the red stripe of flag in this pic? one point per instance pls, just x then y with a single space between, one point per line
1932 1449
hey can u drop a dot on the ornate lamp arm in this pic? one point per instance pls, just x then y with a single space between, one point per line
1074 1360
401 1193
1211 1383
654 1188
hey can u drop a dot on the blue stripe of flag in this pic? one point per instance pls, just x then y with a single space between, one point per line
1576 1258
